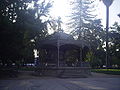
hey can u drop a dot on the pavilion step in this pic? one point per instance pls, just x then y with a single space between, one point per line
73 76
72 72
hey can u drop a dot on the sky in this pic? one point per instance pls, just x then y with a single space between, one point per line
114 10
62 8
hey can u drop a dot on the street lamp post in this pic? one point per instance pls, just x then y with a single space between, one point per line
107 4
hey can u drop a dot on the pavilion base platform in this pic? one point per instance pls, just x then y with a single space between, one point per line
65 72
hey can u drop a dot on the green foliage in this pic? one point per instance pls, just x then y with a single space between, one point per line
89 57
86 28
94 60
107 71
21 29
114 46
71 56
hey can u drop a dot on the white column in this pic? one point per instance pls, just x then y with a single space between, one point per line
80 56
81 52
58 52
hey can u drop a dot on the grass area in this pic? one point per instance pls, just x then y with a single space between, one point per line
107 71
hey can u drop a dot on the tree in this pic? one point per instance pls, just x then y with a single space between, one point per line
80 16
114 45
83 23
86 27
21 28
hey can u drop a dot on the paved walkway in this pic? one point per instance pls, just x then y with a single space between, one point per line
50 83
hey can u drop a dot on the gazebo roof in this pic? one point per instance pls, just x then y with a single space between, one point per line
60 35
61 38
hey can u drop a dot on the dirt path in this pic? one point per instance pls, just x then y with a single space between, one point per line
26 81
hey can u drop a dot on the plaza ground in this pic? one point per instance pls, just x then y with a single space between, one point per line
26 81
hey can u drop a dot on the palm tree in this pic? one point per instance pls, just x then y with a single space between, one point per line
107 4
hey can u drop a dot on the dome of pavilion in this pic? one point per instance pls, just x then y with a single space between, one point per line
60 35
61 38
